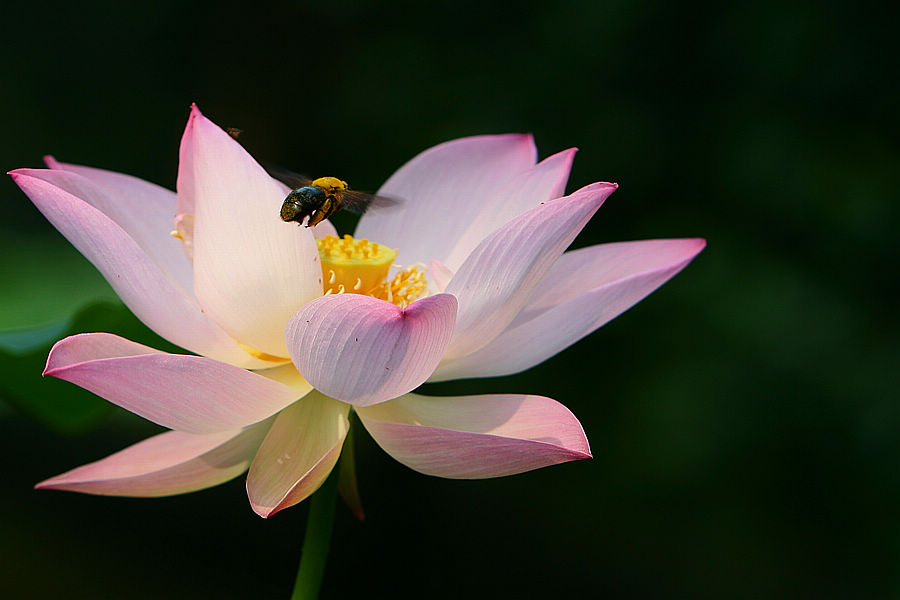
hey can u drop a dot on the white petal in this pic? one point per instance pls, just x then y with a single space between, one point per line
252 270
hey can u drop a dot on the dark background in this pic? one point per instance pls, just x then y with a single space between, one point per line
744 419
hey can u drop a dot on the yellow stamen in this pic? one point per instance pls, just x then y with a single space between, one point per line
406 287
359 265
362 267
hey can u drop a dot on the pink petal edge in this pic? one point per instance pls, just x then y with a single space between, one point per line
142 209
188 393
166 464
153 297
502 273
584 291
474 437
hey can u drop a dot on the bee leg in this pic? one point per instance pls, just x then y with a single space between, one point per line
323 212
315 218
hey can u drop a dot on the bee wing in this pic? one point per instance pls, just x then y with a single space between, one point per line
358 202
288 178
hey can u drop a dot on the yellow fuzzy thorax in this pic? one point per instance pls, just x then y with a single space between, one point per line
330 185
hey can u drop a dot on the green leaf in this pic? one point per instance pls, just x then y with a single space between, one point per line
50 292
45 282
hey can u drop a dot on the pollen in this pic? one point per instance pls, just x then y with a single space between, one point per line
407 286
363 267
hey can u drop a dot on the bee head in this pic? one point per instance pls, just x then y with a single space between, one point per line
301 203
290 210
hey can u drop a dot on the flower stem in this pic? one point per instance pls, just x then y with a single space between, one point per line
314 554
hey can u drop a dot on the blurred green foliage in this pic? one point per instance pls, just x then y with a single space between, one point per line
744 419
54 293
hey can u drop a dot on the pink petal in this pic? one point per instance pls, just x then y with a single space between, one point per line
187 393
472 437
504 270
144 210
252 271
323 229
298 453
541 183
440 275
169 463
152 295
448 185
586 289
362 350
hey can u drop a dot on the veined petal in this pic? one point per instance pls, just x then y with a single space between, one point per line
151 295
447 184
298 453
144 210
541 183
586 289
586 269
500 275
188 393
252 271
166 464
362 350
472 437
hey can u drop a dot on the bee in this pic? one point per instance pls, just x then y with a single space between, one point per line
320 198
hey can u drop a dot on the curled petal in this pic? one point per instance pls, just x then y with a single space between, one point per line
362 350
447 185
586 289
252 271
500 275
187 393
153 296
169 463
473 437
298 453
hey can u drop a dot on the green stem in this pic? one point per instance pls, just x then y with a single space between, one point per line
316 541
347 487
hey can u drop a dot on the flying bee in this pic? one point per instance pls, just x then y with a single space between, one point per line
320 198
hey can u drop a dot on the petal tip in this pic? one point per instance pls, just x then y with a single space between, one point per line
50 367
267 511
54 483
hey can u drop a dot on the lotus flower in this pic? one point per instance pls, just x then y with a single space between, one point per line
282 356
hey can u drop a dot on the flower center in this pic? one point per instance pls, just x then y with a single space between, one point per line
362 267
